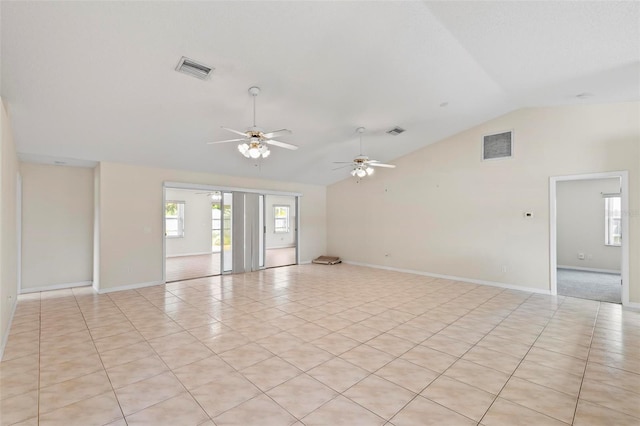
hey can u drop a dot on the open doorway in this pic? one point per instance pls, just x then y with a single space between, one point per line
194 237
589 249
280 231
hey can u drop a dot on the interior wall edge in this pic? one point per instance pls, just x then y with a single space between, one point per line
5 338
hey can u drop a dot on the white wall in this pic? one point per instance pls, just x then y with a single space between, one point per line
57 223
444 211
581 224
284 239
197 224
8 226
131 239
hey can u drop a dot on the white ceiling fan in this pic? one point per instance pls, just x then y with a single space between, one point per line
362 165
254 140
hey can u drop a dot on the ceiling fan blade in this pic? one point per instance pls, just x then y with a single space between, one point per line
238 132
376 164
280 144
341 167
275 133
343 162
228 140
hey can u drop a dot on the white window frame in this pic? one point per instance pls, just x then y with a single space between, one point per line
179 217
610 215
280 229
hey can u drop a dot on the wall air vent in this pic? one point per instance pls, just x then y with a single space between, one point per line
396 131
497 146
194 69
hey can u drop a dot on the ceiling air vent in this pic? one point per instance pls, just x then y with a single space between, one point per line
396 131
497 146
193 68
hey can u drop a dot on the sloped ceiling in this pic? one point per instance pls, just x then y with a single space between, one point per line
95 81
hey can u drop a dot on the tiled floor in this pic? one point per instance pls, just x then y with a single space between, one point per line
320 345
204 265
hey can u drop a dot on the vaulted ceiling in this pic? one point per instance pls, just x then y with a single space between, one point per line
95 81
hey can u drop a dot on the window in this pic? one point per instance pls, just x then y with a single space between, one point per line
281 219
174 219
613 221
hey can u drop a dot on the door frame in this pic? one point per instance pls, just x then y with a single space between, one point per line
623 175
205 187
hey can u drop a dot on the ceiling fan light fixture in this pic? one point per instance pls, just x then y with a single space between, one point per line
361 172
369 171
244 149
254 152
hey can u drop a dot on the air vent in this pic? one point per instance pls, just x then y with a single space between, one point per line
396 131
194 69
497 146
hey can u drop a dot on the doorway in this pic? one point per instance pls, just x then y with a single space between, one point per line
280 231
211 231
589 236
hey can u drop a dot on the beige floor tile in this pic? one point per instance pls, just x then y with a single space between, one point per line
172 341
98 410
539 398
306 356
492 359
556 360
135 371
280 342
611 397
246 355
429 358
391 344
202 372
118 341
224 393
407 374
411 332
359 332
481 377
19 382
588 414
366 357
56 373
180 410
19 408
187 354
335 343
259 411
301 395
338 374
226 341
270 373
380 396
459 397
126 354
506 413
613 376
447 345
74 390
423 412
342 412
145 393
550 377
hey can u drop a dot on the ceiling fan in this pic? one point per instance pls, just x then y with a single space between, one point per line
254 140
362 165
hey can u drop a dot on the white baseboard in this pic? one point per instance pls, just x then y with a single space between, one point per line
305 262
454 278
130 287
632 306
55 287
192 254
580 268
5 338
280 247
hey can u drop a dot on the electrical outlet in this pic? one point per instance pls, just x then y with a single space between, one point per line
504 269
580 256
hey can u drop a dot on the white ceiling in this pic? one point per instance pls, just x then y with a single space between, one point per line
95 81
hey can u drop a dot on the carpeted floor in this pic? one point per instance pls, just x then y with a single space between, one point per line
590 285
